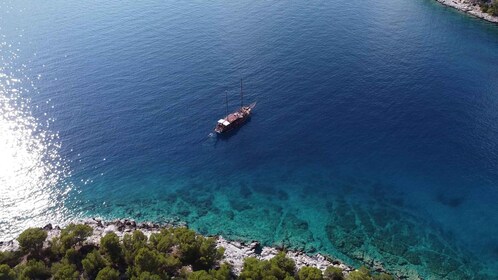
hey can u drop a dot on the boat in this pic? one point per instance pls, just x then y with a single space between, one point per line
237 118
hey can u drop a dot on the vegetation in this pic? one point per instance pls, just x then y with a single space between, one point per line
333 273
310 273
31 240
177 253
488 6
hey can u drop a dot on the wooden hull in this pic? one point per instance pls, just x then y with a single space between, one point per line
235 119
235 124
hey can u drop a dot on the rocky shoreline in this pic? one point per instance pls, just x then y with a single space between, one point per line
235 251
468 7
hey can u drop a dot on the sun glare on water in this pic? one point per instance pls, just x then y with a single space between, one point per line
32 173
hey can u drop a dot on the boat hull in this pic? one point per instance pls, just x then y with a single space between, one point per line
235 124
235 119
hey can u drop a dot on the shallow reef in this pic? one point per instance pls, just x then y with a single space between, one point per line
355 221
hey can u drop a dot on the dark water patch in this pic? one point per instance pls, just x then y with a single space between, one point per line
245 191
282 195
240 205
229 214
264 189
450 200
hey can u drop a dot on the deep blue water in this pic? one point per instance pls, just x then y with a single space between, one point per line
375 137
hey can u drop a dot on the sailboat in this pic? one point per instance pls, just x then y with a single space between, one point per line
237 118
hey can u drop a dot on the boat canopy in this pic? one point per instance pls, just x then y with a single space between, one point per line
221 121
226 123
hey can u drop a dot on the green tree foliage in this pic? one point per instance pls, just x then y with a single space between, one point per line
72 256
223 273
284 263
333 273
200 275
132 243
31 240
148 260
490 7
10 258
64 271
33 269
253 269
108 273
279 267
70 236
146 276
6 273
196 250
484 7
361 274
164 240
109 245
93 263
152 261
170 253
310 273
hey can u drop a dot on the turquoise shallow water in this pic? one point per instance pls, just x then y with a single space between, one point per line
374 139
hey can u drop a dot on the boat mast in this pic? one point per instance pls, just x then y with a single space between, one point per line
226 103
241 95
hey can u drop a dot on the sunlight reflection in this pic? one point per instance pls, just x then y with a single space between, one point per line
31 170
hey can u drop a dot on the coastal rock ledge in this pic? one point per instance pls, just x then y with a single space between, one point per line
470 8
235 252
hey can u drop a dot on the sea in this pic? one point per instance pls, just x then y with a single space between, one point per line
374 139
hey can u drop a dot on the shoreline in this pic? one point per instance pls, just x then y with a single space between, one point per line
235 251
468 8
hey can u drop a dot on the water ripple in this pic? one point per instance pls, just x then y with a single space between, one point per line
31 169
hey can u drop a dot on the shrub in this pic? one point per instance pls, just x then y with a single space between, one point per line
10 258
200 275
132 243
484 7
147 260
208 254
284 263
72 256
109 245
310 273
64 271
6 273
383 276
33 269
108 273
333 273
223 273
253 269
279 267
31 240
361 274
70 236
146 276
495 8
196 250
163 241
93 263
154 262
